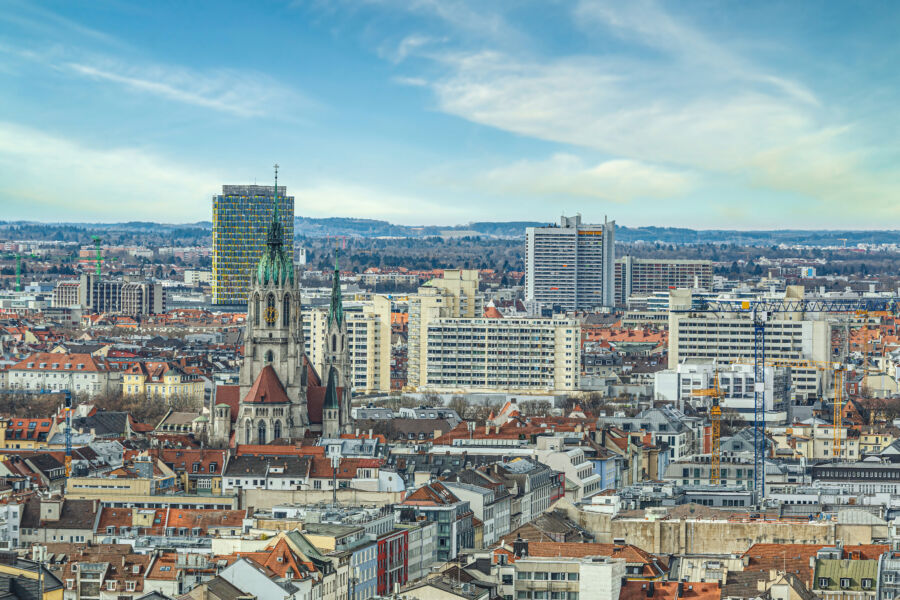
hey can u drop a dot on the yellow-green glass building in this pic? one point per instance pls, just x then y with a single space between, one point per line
241 217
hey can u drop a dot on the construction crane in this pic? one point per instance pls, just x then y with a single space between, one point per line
715 418
759 312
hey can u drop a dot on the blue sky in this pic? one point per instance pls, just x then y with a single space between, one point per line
706 114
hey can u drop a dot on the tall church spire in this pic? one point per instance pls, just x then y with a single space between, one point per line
277 262
336 310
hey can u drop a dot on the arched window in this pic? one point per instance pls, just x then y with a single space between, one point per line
248 430
269 356
262 432
333 342
276 430
256 310
286 311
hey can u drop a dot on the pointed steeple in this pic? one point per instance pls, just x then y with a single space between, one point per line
331 395
336 310
276 263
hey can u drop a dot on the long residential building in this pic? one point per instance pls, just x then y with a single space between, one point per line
50 371
455 295
729 337
507 355
645 276
369 333
571 266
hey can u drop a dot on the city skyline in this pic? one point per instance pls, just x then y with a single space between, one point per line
720 115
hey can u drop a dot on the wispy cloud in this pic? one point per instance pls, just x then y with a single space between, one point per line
222 90
671 97
51 177
566 175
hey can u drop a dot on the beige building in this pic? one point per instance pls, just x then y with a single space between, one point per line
455 295
589 577
817 441
369 337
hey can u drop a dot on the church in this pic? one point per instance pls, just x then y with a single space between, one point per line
280 396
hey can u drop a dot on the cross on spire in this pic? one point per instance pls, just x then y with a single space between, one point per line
275 216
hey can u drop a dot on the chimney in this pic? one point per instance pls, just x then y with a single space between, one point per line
679 590
520 547
650 589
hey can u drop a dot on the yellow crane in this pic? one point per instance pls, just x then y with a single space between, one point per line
838 380
715 418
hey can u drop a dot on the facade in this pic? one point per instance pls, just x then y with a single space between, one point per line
581 480
453 516
661 425
455 295
728 337
241 217
491 505
128 296
511 355
736 382
161 380
571 265
569 578
646 276
369 340
77 373
393 549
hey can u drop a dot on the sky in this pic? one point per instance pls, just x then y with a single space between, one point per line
703 114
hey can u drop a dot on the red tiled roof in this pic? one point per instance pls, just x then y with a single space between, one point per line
230 395
267 389
795 558
631 554
669 590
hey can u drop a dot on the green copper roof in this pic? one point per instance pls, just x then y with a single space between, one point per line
276 263
331 401
336 310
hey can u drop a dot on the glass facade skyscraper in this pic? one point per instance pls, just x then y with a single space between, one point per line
241 217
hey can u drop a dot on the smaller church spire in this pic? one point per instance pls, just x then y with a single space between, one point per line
331 396
336 310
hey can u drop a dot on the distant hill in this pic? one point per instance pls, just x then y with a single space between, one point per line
373 228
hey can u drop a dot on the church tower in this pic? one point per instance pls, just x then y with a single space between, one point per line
273 377
337 350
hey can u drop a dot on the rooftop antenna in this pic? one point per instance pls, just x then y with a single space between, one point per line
275 218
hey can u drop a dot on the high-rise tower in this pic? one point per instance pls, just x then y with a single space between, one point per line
241 216
571 265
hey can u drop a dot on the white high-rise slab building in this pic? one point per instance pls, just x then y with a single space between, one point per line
571 265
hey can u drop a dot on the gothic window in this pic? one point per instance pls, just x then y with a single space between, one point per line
262 432
271 311
333 343
276 430
269 356
248 429
286 311
256 310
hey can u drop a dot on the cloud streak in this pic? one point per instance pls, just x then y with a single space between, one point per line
567 175
51 177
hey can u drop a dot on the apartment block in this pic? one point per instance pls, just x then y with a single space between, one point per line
504 355
369 337
455 295
129 296
728 337
241 215
645 276
571 265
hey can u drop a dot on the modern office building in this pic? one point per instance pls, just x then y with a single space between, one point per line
571 265
129 296
241 215
644 276
455 295
728 337
369 337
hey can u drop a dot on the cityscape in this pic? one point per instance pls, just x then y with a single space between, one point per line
568 301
